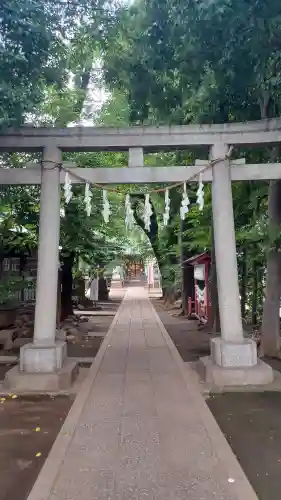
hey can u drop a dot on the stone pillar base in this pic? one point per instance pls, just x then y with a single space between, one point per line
17 381
43 368
219 376
231 355
234 364
47 358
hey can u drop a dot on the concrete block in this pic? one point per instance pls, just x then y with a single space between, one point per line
231 355
18 381
36 358
213 374
61 335
96 334
20 341
7 360
6 339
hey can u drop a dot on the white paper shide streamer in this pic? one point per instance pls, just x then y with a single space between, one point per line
200 194
184 209
166 214
129 213
67 188
106 207
147 213
88 199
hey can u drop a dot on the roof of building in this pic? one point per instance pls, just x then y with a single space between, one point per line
198 259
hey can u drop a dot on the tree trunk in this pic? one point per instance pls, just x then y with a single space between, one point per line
170 296
67 286
270 337
187 271
243 283
23 262
255 295
59 300
188 286
214 321
103 290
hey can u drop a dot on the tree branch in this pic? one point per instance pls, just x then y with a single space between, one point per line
153 233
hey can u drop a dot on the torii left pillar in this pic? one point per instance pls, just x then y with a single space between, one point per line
43 363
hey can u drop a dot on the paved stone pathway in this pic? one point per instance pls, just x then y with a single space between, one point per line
145 432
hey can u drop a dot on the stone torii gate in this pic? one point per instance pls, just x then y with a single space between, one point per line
43 363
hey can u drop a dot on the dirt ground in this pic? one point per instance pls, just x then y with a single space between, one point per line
191 343
250 421
88 346
3 370
28 427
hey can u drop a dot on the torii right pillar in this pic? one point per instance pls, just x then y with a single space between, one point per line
234 359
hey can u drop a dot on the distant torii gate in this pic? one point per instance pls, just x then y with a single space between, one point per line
233 361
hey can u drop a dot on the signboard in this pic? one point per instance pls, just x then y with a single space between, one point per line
199 272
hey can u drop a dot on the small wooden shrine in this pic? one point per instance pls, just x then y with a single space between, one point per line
201 304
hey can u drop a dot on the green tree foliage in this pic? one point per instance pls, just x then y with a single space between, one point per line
34 49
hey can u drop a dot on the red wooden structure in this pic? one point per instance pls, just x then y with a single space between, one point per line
201 304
